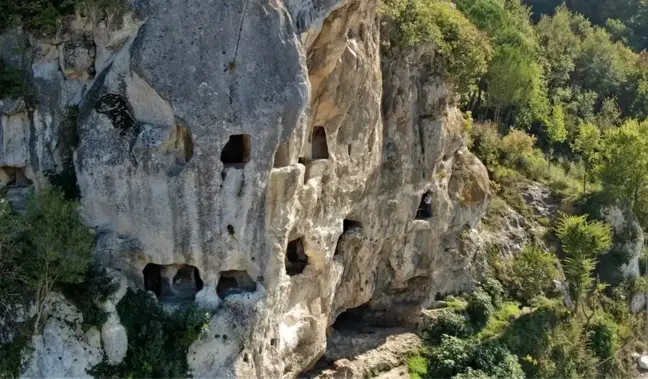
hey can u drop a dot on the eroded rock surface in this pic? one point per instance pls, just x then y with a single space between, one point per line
272 147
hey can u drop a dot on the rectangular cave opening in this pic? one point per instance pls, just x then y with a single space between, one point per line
424 210
319 144
236 152
234 282
183 285
296 259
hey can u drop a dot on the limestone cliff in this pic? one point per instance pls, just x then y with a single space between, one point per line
273 155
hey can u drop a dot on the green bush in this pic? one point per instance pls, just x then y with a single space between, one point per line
517 145
461 358
96 287
157 341
448 323
487 143
532 272
494 289
449 358
463 50
603 337
480 308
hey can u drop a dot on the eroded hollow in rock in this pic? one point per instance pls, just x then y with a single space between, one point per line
236 152
319 144
424 210
348 227
115 107
234 282
352 318
14 177
296 258
172 283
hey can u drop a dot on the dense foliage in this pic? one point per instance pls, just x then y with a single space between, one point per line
563 102
158 340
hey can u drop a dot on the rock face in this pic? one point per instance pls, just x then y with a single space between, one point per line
63 350
271 156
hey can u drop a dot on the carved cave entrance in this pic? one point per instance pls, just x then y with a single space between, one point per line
234 282
236 152
296 259
424 210
319 144
173 283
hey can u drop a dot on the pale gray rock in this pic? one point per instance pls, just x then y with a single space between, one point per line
62 349
115 340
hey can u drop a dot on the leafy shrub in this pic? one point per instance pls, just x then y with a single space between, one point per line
480 308
495 359
448 323
417 367
494 289
463 50
459 358
603 337
157 341
96 287
516 145
487 143
449 358
532 272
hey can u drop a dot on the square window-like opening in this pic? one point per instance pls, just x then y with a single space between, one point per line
236 152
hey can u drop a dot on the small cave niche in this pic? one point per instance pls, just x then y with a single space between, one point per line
352 318
183 286
424 210
282 156
348 227
319 145
234 282
15 177
236 152
296 258
116 108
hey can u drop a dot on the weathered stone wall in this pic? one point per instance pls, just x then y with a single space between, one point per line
336 145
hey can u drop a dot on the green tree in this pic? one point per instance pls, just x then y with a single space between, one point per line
625 163
583 242
556 130
588 144
58 248
463 51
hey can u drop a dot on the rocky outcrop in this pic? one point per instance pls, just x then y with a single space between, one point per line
63 349
270 150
